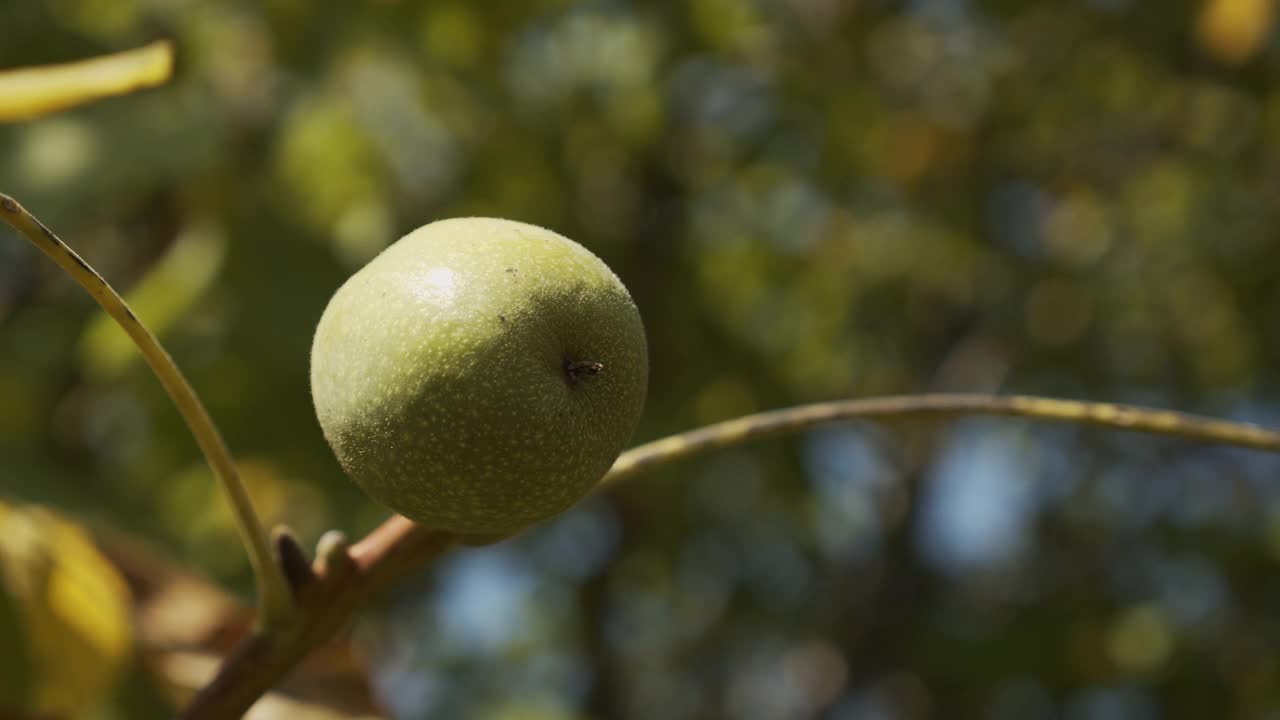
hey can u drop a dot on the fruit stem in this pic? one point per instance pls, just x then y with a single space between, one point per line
1121 417
275 602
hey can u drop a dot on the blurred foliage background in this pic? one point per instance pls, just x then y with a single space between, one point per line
809 199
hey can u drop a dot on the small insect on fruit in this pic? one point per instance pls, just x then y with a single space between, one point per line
479 375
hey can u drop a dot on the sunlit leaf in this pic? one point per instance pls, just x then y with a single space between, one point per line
1232 31
73 607
27 93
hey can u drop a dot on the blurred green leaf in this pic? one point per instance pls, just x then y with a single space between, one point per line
162 298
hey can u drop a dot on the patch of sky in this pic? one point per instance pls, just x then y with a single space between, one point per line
979 500
852 479
484 601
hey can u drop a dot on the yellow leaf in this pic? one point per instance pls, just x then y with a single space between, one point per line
27 93
73 607
1232 31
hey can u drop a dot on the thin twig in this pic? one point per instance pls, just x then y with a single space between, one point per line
1119 417
275 602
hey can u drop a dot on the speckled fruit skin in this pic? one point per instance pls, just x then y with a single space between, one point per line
452 375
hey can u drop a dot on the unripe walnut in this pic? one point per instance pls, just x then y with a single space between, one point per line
479 375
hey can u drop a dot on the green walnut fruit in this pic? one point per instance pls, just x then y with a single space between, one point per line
479 375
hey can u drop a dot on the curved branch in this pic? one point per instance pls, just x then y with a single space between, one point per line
275 606
345 577
774 422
